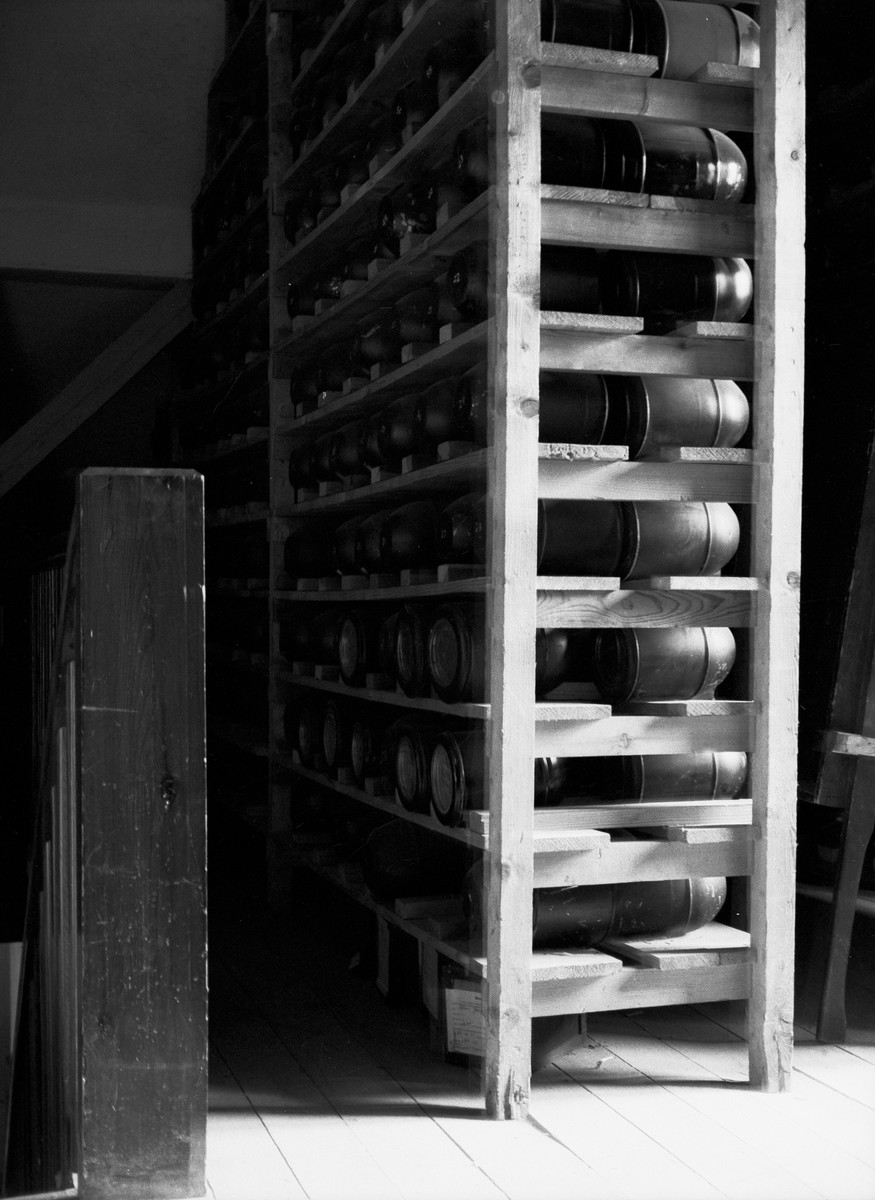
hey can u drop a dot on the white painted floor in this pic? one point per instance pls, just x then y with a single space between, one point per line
320 1089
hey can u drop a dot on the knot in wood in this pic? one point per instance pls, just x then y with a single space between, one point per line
498 96
530 406
794 580
530 73
168 791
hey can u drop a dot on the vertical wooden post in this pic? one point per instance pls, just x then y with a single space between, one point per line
279 76
515 236
142 781
780 174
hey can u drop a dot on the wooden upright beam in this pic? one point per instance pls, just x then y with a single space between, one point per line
515 236
142 989
780 174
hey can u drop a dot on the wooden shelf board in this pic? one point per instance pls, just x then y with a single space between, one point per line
436 137
388 805
466 471
250 37
583 92
643 608
592 479
469 711
402 59
647 354
333 39
615 734
578 452
589 323
418 267
452 356
248 297
209 181
687 708
592 58
571 222
630 862
711 945
575 819
458 952
462 587
640 987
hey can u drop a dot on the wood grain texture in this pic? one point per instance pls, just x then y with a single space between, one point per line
628 862
514 267
643 609
592 479
778 404
641 735
640 987
591 93
622 227
646 354
576 818
143 916
593 58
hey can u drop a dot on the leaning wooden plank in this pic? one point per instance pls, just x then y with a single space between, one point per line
515 224
622 227
566 479
94 386
647 354
707 944
639 735
598 94
594 817
642 609
780 174
633 861
639 987
142 812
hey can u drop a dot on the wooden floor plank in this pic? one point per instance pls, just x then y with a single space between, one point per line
411 1150
242 1159
648 1098
836 1066
832 1119
790 1160
626 1156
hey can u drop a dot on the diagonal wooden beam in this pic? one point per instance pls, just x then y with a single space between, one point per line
94 386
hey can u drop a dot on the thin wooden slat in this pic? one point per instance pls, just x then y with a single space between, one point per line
644 609
647 354
573 818
469 709
634 861
592 58
586 93
576 452
640 987
560 479
622 227
701 947
688 708
778 405
641 735
514 266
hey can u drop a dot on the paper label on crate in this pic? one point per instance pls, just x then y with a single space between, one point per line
465 1025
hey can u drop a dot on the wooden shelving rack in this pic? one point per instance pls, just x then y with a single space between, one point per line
749 839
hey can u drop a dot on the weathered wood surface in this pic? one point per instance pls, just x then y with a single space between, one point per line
143 915
778 404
